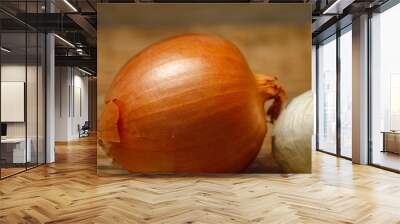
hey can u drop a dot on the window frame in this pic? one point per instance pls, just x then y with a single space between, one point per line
339 32
378 10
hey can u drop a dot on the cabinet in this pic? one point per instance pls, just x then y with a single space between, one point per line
391 141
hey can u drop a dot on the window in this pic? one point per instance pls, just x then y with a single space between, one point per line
22 77
327 95
394 102
346 93
385 89
334 60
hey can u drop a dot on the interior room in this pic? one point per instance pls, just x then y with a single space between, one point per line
153 111
22 102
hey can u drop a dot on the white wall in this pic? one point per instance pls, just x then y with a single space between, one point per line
71 102
61 103
80 103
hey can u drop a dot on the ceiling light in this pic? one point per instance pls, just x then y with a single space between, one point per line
70 5
65 41
5 50
79 51
84 71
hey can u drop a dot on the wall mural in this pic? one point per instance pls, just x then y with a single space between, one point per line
207 88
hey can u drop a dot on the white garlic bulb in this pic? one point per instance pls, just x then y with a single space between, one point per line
292 135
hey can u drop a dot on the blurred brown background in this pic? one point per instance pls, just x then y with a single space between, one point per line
275 39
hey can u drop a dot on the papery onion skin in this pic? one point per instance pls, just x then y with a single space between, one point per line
187 104
293 135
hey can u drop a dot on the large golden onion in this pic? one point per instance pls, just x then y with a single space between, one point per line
187 104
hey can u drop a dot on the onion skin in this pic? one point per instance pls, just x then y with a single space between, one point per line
292 135
188 104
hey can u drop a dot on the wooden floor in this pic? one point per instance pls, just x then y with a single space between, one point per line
387 159
69 191
5 172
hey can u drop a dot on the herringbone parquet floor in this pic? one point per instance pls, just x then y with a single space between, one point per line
69 191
